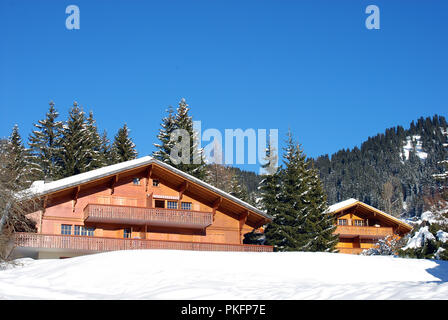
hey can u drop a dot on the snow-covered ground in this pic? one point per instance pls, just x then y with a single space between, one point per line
169 274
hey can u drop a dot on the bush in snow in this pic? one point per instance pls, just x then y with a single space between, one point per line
428 242
388 246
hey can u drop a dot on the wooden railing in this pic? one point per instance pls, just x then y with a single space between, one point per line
150 216
98 244
367 232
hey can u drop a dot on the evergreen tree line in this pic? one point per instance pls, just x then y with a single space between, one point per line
293 195
379 173
226 178
58 149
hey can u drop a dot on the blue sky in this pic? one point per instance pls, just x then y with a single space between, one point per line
311 66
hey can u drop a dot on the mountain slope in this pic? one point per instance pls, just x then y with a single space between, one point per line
392 171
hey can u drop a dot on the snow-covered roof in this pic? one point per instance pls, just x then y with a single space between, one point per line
351 202
40 188
342 204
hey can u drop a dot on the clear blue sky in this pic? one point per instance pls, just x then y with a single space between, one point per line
311 66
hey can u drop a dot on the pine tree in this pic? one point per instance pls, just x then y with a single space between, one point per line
94 156
269 186
192 163
105 149
123 149
74 153
44 142
18 163
284 231
238 190
300 222
317 221
167 127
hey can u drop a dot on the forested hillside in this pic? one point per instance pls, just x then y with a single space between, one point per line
393 170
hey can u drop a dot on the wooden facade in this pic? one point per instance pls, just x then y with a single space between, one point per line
146 204
360 226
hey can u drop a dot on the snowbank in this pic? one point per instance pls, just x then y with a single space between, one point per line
170 274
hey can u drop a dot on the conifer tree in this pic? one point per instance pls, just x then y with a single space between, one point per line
73 151
105 149
238 190
299 222
194 164
123 149
44 143
94 157
18 160
269 186
317 223
165 146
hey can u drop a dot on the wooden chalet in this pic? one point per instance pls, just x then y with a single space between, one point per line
360 226
138 204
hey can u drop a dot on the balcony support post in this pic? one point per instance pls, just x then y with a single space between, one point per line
242 222
75 197
113 183
182 189
215 206
148 177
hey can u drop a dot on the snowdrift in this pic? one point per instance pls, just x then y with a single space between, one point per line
170 274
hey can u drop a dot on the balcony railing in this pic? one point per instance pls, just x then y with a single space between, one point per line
364 232
99 244
106 213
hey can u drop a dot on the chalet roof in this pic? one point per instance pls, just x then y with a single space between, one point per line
349 203
41 188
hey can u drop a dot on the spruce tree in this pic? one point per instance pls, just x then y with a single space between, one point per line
105 149
299 222
194 164
94 157
44 143
317 223
123 149
269 186
74 154
18 163
167 127
238 190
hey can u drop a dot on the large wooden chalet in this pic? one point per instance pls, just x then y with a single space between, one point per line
360 226
138 204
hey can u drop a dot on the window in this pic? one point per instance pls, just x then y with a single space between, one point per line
185 205
90 232
136 181
359 222
66 229
155 183
83 231
172 205
342 222
127 233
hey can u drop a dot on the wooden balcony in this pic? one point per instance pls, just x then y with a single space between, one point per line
363 232
105 213
99 244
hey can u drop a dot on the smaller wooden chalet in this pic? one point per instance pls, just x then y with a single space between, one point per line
360 226
137 204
